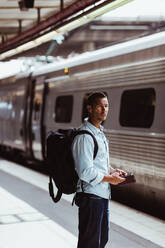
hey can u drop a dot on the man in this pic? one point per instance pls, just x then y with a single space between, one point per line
96 175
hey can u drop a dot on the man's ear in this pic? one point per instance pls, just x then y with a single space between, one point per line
89 108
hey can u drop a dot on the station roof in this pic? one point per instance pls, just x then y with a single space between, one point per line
22 21
26 24
16 18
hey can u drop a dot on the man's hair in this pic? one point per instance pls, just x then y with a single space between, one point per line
94 96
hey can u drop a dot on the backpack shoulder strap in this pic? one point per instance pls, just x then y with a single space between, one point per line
79 132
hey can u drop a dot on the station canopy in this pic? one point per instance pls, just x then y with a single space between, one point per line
25 24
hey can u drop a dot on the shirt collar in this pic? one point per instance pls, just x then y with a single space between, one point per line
94 129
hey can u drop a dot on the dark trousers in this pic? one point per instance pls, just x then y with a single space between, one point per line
93 220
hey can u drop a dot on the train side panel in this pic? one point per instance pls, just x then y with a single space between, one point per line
12 100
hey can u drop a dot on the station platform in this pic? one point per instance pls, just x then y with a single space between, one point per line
29 218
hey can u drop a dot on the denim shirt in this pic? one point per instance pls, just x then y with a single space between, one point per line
91 171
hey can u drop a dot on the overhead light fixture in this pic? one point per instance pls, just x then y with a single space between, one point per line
8 54
26 46
66 28
21 5
45 38
25 4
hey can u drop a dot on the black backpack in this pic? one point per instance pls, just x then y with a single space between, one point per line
60 163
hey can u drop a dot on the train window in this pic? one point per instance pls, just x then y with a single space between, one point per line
5 107
63 109
137 108
84 108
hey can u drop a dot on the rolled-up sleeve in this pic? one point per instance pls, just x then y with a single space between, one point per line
83 151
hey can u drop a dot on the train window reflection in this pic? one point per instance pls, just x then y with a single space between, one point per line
63 109
137 108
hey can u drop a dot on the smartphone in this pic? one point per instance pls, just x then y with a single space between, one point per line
129 178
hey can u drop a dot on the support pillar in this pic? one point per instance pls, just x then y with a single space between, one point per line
38 15
20 26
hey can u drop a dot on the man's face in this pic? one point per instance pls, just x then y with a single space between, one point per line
99 110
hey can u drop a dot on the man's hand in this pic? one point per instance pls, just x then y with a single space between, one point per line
113 178
121 172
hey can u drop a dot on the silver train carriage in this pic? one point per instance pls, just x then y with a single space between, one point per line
132 74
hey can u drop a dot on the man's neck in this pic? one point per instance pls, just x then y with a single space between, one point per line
95 123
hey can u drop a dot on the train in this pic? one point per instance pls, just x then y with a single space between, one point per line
132 74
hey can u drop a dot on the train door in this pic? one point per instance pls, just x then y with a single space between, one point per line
25 131
37 121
